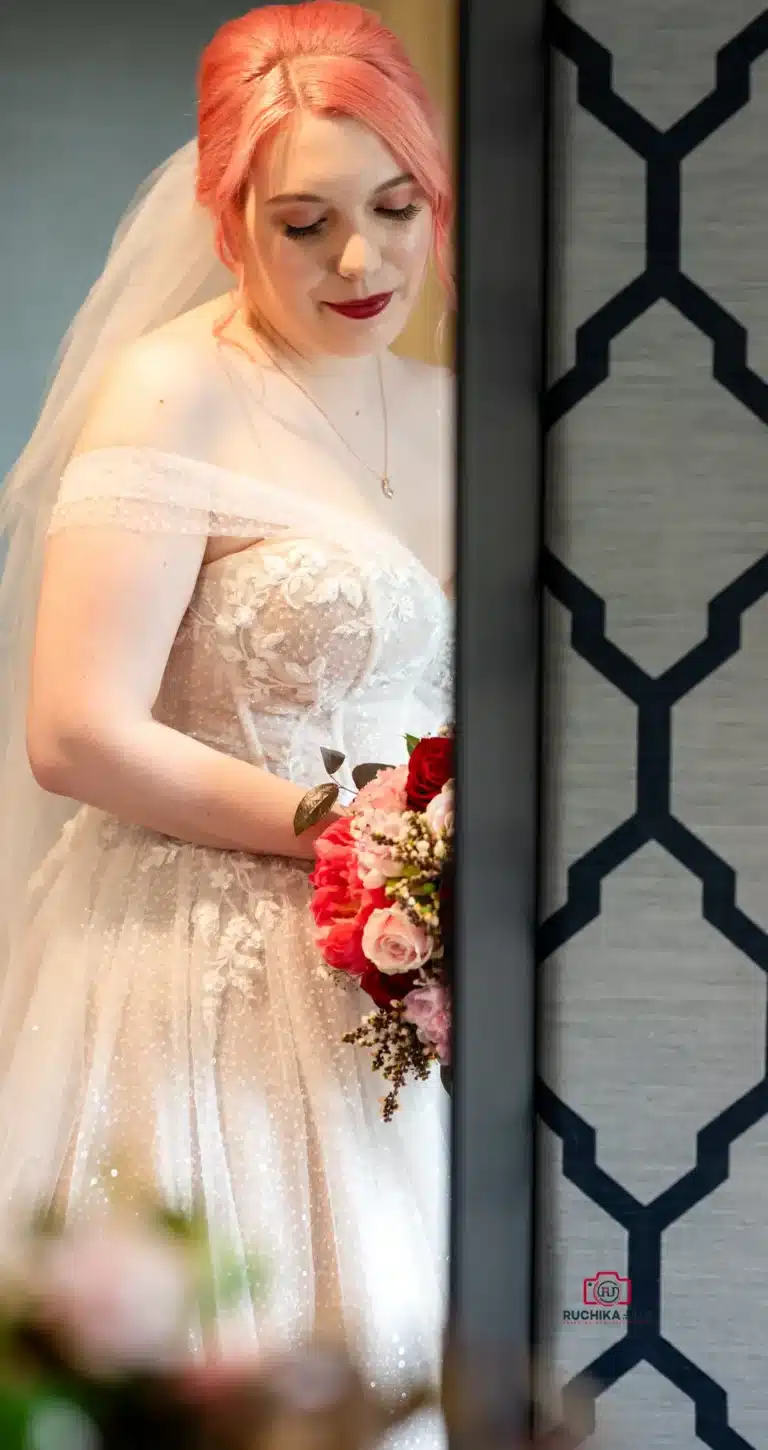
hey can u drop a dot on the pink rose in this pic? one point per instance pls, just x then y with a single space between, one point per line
377 861
440 811
386 792
429 1009
118 1298
394 943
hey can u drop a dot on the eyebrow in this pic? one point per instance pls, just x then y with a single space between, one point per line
401 180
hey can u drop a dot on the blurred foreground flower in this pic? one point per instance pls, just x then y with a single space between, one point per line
101 1335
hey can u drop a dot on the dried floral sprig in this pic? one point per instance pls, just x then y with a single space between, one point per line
397 1051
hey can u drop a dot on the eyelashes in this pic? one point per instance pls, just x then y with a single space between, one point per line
400 213
299 232
397 215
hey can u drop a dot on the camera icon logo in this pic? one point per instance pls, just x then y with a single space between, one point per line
607 1290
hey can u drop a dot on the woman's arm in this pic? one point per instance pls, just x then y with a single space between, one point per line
110 608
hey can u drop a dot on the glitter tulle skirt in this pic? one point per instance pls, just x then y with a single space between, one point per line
177 1018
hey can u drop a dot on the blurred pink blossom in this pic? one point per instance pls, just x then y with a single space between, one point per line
118 1297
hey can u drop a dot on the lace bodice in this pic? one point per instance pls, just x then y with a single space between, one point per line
328 632
295 644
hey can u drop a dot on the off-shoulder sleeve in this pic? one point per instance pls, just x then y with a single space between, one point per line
145 490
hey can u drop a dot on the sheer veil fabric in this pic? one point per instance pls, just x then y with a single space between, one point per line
161 263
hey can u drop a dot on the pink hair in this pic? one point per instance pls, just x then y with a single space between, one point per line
328 57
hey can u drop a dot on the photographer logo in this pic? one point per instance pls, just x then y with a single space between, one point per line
605 1298
607 1289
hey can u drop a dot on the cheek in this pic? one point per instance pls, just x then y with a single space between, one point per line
411 250
291 270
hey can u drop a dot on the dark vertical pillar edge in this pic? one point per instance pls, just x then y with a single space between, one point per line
503 105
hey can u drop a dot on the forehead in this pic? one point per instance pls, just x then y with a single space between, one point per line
327 156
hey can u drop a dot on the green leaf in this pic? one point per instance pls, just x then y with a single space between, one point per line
412 741
364 774
313 806
332 759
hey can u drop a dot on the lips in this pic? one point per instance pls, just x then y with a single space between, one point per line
366 307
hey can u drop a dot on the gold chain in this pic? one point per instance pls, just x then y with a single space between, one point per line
384 479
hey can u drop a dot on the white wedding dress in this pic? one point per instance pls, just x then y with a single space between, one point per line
176 1015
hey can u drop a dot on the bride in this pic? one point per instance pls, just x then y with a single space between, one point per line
229 537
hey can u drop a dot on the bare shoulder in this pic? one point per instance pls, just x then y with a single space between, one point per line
160 391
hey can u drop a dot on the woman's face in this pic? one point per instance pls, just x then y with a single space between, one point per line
331 220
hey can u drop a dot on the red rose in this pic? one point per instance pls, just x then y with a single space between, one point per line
386 989
430 766
337 888
341 917
342 946
330 904
336 858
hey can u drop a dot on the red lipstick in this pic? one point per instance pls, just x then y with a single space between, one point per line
366 307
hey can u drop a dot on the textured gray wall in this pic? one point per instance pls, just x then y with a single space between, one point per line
93 96
655 936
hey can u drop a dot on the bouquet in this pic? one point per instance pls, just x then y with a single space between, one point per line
383 901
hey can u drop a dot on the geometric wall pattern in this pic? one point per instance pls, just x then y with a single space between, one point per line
653 1093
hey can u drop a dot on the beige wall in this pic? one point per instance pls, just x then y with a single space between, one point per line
427 28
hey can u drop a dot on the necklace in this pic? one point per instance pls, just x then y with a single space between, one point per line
383 477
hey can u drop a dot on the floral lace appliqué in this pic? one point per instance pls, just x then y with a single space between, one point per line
233 927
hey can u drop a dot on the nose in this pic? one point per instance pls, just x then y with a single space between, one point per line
360 257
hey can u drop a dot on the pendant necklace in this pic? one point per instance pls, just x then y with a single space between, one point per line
382 476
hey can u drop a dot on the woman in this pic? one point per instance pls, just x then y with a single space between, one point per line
243 564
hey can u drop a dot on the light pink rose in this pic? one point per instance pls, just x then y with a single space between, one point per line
386 792
377 861
394 943
429 1009
118 1298
440 811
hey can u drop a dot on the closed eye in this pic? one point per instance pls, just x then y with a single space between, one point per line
390 213
400 213
310 231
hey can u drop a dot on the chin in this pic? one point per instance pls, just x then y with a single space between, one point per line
357 339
